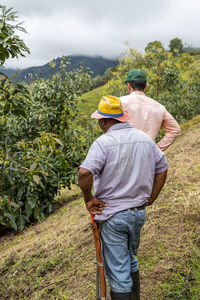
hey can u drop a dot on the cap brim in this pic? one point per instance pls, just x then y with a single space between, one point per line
123 118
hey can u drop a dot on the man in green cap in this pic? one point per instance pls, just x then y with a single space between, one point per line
147 114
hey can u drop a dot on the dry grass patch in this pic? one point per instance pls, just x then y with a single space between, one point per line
50 259
54 259
171 233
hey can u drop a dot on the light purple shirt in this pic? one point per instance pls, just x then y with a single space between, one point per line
124 162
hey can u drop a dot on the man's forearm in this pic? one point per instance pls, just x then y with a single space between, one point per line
172 131
85 179
159 181
167 140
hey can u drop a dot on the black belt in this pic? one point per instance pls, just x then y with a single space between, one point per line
139 207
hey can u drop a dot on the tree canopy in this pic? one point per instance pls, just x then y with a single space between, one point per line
154 46
10 43
176 46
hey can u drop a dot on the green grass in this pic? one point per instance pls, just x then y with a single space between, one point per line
190 123
184 283
89 101
54 259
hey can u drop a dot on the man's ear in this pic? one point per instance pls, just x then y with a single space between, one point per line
101 123
146 86
104 121
129 87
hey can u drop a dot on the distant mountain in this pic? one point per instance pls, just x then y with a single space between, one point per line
9 72
97 65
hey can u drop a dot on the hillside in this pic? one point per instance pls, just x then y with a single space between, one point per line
54 259
97 65
90 100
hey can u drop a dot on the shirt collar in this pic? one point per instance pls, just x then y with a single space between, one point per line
121 125
138 92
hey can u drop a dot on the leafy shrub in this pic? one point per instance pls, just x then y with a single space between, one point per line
42 142
41 138
173 79
31 175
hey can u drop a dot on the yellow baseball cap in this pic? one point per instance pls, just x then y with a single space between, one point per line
110 107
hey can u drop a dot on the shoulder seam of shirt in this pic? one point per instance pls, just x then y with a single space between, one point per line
99 143
128 97
133 142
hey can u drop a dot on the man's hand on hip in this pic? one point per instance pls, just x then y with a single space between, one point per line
95 206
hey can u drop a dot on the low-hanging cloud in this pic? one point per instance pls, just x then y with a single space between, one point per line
93 27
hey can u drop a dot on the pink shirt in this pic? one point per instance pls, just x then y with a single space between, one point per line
149 116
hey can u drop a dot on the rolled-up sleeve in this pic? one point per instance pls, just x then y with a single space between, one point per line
172 128
161 163
95 159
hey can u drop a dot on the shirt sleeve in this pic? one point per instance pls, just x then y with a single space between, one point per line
161 163
172 128
123 101
95 159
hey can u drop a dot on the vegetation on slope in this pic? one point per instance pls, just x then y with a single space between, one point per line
39 135
90 100
54 259
96 65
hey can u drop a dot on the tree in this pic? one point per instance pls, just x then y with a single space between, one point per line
41 152
173 80
154 46
41 144
176 46
10 43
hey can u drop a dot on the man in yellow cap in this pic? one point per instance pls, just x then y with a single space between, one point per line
129 171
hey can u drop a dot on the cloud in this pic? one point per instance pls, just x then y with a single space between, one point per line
94 27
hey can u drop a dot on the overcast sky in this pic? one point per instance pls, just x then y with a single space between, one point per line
101 27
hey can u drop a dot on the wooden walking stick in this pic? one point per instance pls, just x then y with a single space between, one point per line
99 259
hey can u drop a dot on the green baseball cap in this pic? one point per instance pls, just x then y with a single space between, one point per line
136 75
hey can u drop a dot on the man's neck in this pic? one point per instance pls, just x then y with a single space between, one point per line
110 124
136 91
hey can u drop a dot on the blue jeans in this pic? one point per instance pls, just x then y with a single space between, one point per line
120 237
